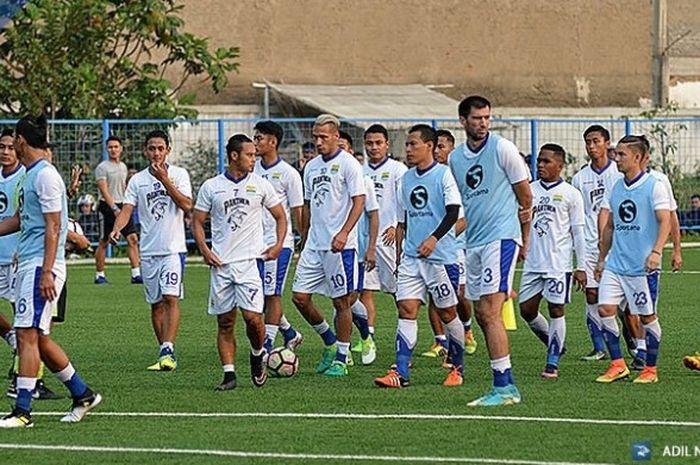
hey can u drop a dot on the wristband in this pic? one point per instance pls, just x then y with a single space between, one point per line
114 208
656 252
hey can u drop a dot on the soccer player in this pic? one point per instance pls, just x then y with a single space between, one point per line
334 198
386 174
632 241
110 175
445 145
161 193
236 200
287 184
556 230
493 182
593 181
41 219
429 204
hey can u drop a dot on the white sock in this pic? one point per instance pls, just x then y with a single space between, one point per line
557 330
135 272
167 345
501 364
359 309
592 312
343 347
65 374
322 327
408 329
641 344
257 352
371 330
455 330
271 332
100 274
284 323
610 324
229 368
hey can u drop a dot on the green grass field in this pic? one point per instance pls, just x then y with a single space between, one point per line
109 338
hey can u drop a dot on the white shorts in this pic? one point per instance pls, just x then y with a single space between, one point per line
324 272
383 276
418 277
8 282
237 285
490 268
641 292
275 276
162 275
590 262
462 263
554 287
31 310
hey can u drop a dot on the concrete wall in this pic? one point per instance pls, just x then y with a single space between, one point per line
540 53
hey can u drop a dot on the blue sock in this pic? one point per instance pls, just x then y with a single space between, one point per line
341 354
611 334
267 345
167 348
442 340
653 335
326 333
70 378
406 336
288 334
502 372
557 335
595 327
362 325
25 388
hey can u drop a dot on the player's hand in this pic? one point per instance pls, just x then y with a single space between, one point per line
272 253
82 242
676 260
74 186
652 262
524 214
159 171
580 279
211 259
339 241
427 247
522 253
389 236
47 287
370 259
598 273
114 237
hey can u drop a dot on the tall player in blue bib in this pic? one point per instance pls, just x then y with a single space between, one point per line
41 219
632 241
428 210
494 184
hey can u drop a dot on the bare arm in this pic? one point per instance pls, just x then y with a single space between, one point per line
653 261
524 196
370 257
10 225
198 219
304 223
277 213
676 258
605 233
47 287
296 216
341 238
460 226
104 192
121 221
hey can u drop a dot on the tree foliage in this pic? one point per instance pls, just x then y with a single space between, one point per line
104 59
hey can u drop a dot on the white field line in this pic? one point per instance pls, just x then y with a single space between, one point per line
382 416
286 456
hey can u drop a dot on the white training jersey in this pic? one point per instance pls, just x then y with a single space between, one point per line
236 208
556 209
162 221
593 186
667 183
386 177
287 184
329 186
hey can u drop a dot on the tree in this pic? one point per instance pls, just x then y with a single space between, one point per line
104 59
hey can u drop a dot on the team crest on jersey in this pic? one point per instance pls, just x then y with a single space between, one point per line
557 198
474 177
543 213
385 175
250 188
419 197
335 168
276 175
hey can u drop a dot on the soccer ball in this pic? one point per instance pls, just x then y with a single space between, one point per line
282 363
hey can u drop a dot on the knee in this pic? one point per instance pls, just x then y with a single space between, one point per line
132 240
225 324
591 296
170 302
301 301
27 337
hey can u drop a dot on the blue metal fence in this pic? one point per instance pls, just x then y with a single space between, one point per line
199 145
